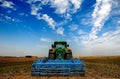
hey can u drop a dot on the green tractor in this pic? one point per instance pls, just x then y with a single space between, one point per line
58 62
60 50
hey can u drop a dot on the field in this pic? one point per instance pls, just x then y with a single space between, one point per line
97 67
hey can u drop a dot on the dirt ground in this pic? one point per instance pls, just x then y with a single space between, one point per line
19 68
90 74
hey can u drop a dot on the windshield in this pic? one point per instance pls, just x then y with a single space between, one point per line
60 46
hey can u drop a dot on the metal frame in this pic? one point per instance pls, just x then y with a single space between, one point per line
58 67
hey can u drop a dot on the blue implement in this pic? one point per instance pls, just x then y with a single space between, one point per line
58 67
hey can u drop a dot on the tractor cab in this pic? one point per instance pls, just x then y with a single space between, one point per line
60 50
60 44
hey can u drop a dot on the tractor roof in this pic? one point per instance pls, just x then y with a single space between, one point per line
60 41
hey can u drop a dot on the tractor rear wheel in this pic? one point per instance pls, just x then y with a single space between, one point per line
68 55
51 54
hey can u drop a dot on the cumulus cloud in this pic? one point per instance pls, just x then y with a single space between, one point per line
64 7
76 4
7 4
45 39
60 31
60 5
100 15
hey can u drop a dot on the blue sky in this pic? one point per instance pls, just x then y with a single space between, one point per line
29 27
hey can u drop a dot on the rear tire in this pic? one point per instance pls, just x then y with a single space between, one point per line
51 54
68 55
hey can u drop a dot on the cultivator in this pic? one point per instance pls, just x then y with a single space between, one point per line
59 62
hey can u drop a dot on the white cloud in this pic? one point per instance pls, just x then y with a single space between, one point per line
100 15
7 4
60 31
73 27
68 16
107 44
63 7
60 5
76 4
45 39
44 2
35 8
107 37
35 11
66 7
50 21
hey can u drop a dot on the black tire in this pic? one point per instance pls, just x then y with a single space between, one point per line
68 55
51 54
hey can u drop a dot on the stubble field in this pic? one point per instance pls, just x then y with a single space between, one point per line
97 67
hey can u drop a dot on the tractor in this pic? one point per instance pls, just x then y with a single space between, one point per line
59 62
60 48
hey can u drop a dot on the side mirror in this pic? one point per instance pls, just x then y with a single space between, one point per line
67 45
52 46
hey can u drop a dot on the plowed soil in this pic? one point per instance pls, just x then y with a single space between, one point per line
19 68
